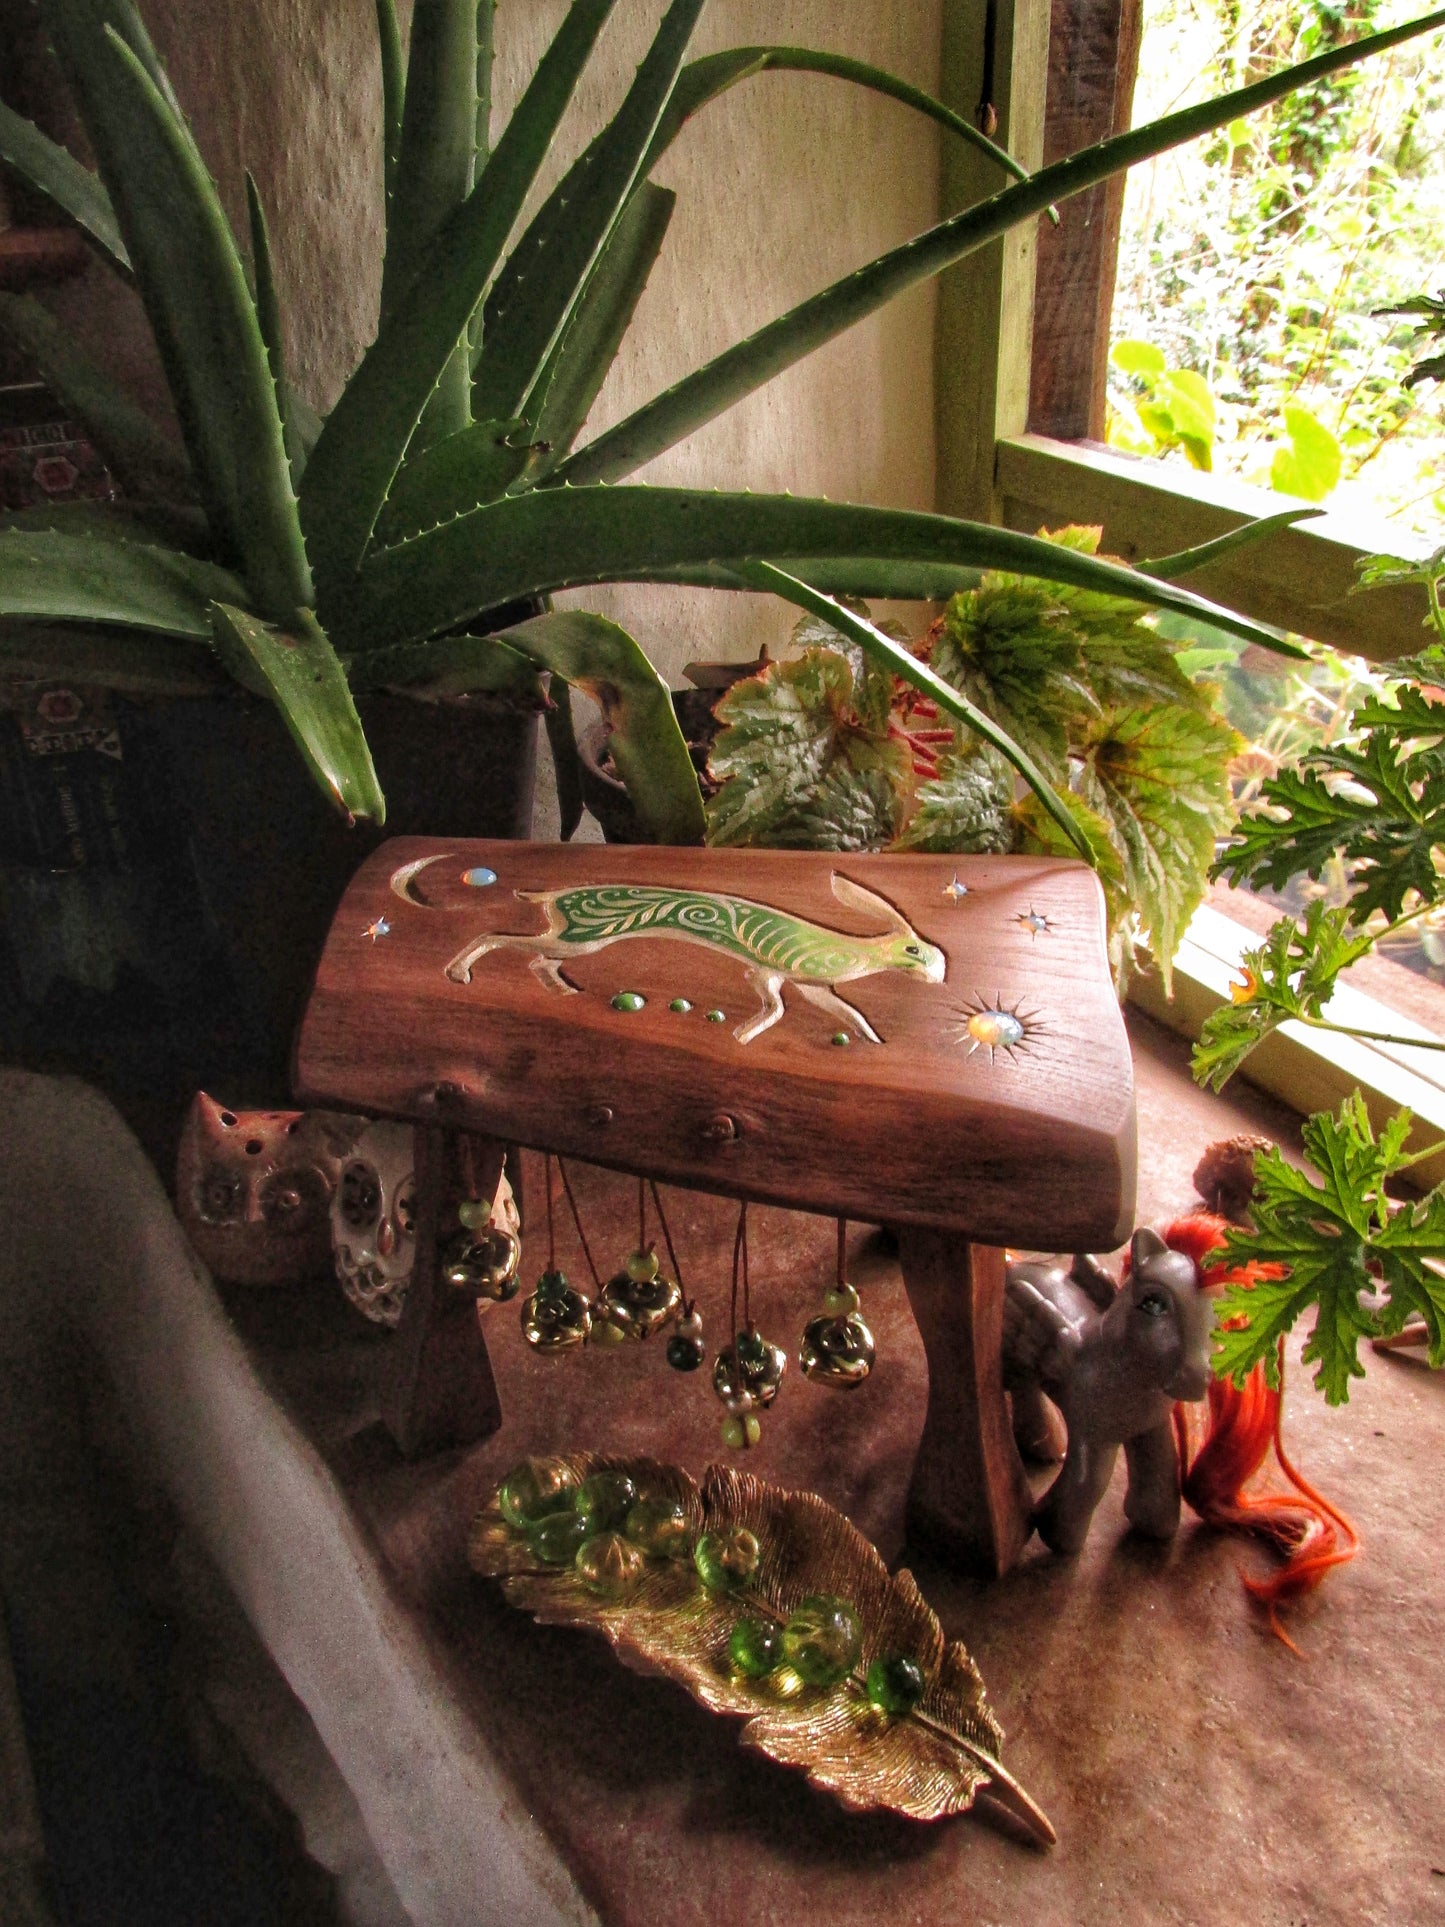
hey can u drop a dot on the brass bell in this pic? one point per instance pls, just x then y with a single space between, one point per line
836 1351
749 1371
483 1263
641 1306
555 1317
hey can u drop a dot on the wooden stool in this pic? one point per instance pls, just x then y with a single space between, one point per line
930 1043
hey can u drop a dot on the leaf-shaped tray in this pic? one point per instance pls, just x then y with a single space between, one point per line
926 1763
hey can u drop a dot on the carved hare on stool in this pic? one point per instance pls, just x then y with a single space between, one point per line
1114 1359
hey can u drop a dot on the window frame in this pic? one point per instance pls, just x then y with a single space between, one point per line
995 465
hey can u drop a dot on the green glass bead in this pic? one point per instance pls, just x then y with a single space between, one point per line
608 1566
841 1037
894 1683
533 1489
680 1005
740 1431
726 1561
474 1213
840 1301
629 1000
685 1354
642 1267
717 1017
552 1284
822 1640
555 1539
604 1499
660 1527
755 1649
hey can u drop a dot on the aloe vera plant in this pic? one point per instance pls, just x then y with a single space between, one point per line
315 558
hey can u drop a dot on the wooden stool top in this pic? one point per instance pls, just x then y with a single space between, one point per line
915 1039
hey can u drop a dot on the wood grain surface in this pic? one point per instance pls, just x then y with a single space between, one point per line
933 1125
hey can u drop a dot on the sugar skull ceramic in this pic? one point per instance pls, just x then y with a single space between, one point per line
254 1189
373 1221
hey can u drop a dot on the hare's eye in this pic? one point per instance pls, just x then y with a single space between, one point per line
1153 1304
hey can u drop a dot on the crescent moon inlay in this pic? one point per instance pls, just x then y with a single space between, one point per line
402 879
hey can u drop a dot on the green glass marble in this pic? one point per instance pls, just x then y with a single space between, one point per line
726 1561
840 1301
894 1683
555 1540
680 1005
841 1037
604 1499
717 1017
755 1649
740 1431
629 1000
822 1640
660 1527
534 1489
608 1566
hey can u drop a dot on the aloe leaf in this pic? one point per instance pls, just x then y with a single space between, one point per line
695 400
893 656
566 763
393 93
472 467
448 666
193 284
434 177
135 664
366 434
646 743
486 36
72 190
92 578
143 457
1167 567
268 317
546 539
578 364
546 271
154 524
308 685
704 80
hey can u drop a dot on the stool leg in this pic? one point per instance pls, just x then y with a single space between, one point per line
969 1498
439 1390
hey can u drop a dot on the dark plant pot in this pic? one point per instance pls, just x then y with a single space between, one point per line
603 793
272 858
165 890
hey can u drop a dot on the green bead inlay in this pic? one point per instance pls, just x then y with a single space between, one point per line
717 1017
841 1037
680 1005
894 1683
822 1640
629 1000
755 1649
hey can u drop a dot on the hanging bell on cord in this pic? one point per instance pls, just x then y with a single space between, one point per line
483 1263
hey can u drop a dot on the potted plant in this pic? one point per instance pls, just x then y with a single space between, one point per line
313 561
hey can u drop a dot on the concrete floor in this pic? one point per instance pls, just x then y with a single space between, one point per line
1196 1770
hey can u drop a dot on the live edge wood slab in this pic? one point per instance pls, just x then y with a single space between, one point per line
929 1043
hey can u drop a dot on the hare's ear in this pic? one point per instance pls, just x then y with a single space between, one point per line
1145 1244
855 896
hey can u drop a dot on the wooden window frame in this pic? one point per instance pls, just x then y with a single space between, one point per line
1020 362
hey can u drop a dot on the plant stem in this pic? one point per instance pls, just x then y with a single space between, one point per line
1372 1036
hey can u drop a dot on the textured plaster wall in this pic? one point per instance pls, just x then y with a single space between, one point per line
787 182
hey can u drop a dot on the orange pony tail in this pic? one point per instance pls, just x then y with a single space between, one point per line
1244 1424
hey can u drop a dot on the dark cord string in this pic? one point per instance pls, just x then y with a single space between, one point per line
687 1304
842 1251
551 1226
577 1220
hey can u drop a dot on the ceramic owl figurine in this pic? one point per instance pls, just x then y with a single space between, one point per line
254 1189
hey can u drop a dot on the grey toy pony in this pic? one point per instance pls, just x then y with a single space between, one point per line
1113 1359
